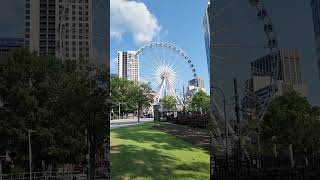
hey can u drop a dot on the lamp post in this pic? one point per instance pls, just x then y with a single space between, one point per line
225 117
119 109
30 153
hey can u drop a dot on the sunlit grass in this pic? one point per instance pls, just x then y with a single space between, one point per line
140 152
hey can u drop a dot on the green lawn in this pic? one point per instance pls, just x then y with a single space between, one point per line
140 152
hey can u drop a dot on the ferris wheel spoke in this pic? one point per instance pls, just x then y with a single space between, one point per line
157 55
163 63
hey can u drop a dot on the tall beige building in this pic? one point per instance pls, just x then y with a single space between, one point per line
258 86
62 28
128 65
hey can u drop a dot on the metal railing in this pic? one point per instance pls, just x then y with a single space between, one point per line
46 175
262 168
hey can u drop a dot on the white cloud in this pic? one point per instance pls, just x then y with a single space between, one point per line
133 17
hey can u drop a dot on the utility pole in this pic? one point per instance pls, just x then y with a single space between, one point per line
30 153
225 118
0 168
237 111
119 110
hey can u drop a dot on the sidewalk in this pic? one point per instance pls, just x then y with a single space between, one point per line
128 122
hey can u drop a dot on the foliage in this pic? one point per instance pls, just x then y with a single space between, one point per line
130 95
169 103
63 102
290 119
200 100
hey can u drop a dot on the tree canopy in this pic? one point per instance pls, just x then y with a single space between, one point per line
169 103
64 103
129 95
291 119
200 100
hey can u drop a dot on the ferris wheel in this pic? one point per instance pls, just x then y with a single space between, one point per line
166 68
245 47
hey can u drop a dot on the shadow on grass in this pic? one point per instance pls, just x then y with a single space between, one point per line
134 162
145 134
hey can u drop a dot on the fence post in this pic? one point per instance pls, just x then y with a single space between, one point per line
306 157
291 155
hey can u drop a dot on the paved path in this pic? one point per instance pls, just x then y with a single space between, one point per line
128 122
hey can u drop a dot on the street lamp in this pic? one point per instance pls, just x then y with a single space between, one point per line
225 116
30 153
119 110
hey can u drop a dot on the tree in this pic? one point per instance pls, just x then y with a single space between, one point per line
143 97
130 95
169 103
290 119
61 101
123 92
200 100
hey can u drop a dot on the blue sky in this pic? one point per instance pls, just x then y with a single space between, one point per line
181 25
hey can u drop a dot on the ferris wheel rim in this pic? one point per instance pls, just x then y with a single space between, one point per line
262 16
178 50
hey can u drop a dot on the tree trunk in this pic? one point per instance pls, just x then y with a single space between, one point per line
291 156
138 114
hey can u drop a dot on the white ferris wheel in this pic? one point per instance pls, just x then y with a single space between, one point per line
167 68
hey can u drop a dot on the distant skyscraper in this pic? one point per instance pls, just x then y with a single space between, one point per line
195 85
128 65
315 5
59 28
197 82
289 68
9 44
258 87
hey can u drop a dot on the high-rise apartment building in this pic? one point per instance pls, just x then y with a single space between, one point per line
315 5
128 65
61 28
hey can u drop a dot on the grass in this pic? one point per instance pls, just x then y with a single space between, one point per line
140 152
